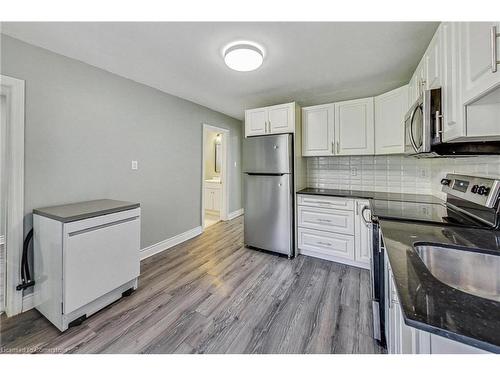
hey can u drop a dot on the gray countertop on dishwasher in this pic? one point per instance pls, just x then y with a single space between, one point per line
84 210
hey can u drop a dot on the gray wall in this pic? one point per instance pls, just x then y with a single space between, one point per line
85 125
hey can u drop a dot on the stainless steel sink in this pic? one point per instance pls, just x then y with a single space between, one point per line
469 271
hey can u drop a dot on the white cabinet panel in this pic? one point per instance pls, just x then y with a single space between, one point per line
281 118
363 234
442 345
354 127
327 244
453 122
432 59
255 121
326 202
331 220
390 110
477 68
87 258
318 138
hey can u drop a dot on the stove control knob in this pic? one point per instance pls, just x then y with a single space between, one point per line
474 189
483 190
445 181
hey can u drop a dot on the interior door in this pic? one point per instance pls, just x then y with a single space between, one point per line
354 127
255 121
318 127
268 212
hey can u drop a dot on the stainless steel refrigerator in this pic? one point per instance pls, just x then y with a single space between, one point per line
268 193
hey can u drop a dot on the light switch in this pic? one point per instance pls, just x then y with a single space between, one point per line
135 165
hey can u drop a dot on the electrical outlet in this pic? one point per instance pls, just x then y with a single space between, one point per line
354 171
135 165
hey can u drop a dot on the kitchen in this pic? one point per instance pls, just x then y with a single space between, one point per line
358 220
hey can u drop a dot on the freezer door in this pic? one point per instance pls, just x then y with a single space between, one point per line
268 154
268 213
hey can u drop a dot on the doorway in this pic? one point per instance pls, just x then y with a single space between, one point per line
11 192
214 200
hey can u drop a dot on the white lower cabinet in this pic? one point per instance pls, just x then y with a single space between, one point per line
333 228
212 196
403 339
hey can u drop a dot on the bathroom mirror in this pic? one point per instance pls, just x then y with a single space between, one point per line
217 154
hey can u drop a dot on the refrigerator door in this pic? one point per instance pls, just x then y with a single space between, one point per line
268 154
268 212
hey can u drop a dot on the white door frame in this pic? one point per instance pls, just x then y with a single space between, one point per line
13 88
224 175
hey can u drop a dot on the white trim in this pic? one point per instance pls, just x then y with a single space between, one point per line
224 172
169 242
28 302
235 214
15 191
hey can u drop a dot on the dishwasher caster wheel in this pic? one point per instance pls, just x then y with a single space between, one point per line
128 292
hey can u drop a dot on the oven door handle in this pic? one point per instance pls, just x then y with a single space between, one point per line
412 117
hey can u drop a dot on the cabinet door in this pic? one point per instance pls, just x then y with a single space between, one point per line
477 69
216 199
281 118
318 130
390 110
432 61
453 124
209 203
354 127
326 245
255 122
363 234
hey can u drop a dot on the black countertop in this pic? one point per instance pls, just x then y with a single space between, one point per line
431 305
427 303
378 195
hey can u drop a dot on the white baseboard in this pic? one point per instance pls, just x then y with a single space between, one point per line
28 302
170 242
235 214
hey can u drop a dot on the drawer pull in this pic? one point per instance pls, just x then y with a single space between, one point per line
324 243
324 220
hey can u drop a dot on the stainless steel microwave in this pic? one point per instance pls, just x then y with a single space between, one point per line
423 123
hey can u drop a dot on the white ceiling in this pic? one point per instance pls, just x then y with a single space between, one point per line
311 63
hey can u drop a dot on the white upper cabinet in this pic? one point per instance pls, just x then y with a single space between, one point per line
480 72
390 110
318 127
255 121
432 61
354 127
281 118
453 124
275 119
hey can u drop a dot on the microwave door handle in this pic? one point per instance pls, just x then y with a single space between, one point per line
411 128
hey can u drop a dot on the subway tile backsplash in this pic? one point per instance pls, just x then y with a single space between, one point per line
394 173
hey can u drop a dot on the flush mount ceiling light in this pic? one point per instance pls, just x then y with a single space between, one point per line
243 56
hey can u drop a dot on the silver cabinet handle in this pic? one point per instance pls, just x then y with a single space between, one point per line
324 243
333 147
493 39
338 147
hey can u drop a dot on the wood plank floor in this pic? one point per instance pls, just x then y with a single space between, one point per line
213 295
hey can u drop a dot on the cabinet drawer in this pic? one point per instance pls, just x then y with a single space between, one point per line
332 220
325 202
328 244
